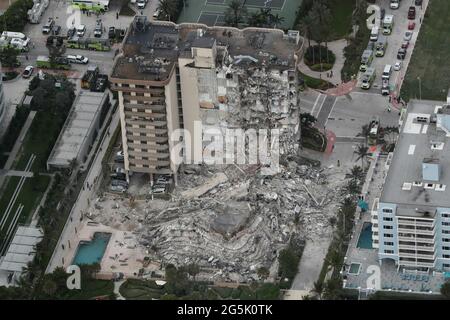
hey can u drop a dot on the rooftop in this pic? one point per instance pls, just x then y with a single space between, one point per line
419 174
78 127
151 49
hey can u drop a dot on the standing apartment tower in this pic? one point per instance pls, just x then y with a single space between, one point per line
412 220
171 77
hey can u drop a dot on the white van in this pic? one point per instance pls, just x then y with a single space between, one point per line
374 33
387 72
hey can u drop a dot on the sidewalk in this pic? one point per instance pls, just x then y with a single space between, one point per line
337 47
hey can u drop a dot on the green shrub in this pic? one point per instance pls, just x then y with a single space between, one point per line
318 54
320 67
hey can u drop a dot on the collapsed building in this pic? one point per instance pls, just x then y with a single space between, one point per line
228 218
171 77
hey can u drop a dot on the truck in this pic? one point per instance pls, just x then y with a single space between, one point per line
366 60
14 39
36 12
88 44
374 131
367 78
388 24
381 46
90 76
91 5
45 62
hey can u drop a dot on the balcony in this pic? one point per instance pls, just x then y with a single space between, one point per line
140 107
416 264
140 90
417 256
414 239
129 97
150 123
152 155
430 224
131 130
151 115
415 231
151 146
416 247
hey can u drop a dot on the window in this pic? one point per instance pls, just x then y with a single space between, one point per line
446 265
445 240
446 231
388 235
446 256
388 219
387 243
387 210
445 248
446 224
445 215
387 227
389 251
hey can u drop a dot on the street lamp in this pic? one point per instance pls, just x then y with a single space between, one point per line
420 88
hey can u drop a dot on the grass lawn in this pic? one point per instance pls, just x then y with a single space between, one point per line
431 56
38 140
91 289
341 22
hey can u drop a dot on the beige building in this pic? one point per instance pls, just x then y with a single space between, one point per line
171 77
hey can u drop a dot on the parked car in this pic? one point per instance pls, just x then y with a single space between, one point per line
412 13
28 72
81 30
394 4
401 54
48 26
117 182
156 14
408 36
119 157
56 30
71 32
119 170
78 59
98 31
398 65
141 4
411 25
111 32
117 189
118 176
405 44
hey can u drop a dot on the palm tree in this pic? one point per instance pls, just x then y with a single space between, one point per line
235 13
318 289
356 173
276 19
304 27
362 152
168 9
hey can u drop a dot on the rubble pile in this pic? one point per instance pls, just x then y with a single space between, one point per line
238 225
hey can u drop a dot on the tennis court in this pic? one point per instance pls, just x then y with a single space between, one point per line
211 12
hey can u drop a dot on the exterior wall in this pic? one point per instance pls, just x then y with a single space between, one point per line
442 239
144 124
382 232
173 119
191 107
429 239
2 100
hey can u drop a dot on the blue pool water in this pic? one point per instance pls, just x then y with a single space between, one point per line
365 238
90 252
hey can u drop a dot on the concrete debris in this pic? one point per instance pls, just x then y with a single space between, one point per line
229 220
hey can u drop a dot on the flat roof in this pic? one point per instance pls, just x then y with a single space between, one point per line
402 184
22 249
151 48
78 126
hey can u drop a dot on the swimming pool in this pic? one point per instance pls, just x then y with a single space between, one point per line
89 252
365 238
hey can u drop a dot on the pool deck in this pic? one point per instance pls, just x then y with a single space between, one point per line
391 279
121 255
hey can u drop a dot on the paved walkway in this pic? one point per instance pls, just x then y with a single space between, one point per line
116 291
16 148
310 264
337 47
16 173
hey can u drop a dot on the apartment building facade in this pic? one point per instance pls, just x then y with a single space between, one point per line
411 220
171 77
